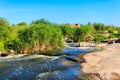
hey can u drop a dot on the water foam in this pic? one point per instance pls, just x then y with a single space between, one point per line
30 57
56 75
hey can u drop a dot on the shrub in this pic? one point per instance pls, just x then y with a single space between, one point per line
40 37
1 46
99 37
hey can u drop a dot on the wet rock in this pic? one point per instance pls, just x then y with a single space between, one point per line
71 59
3 54
76 59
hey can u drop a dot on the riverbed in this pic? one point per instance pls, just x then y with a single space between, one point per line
39 67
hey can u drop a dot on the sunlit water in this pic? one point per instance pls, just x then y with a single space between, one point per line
37 67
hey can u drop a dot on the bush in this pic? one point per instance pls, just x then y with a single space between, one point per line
67 30
99 37
40 37
83 33
1 46
112 35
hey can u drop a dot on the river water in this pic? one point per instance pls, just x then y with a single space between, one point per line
39 67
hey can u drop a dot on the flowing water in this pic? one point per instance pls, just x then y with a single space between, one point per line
38 67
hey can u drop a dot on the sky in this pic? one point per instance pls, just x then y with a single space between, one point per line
61 11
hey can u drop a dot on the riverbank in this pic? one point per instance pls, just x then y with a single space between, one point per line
103 65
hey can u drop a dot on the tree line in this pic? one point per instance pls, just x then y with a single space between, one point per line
42 35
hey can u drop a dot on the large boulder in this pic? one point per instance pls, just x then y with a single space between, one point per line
117 41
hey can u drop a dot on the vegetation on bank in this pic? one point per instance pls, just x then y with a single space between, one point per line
42 35
91 32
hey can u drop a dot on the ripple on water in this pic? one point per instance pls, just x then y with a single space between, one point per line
56 75
67 74
78 50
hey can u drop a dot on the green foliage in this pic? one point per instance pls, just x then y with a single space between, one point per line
78 35
40 36
99 26
1 46
4 32
22 24
41 21
99 37
3 22
83 33
67 31
112 36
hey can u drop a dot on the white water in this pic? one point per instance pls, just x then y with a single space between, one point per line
39 67
28 57
56 75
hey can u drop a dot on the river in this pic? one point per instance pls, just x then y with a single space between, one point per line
39 67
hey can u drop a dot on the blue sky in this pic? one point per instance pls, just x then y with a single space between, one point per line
61 11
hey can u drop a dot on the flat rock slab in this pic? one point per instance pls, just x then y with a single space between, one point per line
106 62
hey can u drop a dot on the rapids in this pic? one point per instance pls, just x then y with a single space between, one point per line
39 67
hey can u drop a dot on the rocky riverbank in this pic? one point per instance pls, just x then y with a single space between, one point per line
103 65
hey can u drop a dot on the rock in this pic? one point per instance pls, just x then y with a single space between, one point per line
117 41
103 65
76 45
104 76
4 55
71 59
12 51
76 59
87 44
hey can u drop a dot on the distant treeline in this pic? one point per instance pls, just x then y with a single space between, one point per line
42 35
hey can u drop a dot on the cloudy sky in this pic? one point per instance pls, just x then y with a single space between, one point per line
61 11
